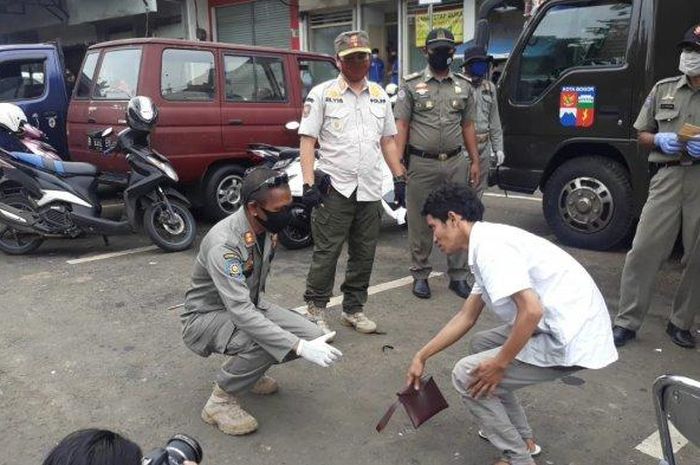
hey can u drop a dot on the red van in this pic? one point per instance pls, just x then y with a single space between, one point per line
213 98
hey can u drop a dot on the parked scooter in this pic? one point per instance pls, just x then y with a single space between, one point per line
297 234
41 197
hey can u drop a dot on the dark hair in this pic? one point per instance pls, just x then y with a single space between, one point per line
454 197
375 50
250 188
94 447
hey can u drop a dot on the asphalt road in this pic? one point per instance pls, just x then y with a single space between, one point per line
97 344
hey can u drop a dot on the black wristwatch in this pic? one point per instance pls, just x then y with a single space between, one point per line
306 187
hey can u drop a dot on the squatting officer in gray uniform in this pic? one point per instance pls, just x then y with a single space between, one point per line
435 115
225 314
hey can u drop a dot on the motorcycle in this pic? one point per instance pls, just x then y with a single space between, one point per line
297 235
41 197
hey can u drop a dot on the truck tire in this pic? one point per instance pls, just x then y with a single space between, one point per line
222 191
588 203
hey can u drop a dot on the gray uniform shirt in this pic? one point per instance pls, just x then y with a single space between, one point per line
349 128
229 274
488 121
670 104
435 110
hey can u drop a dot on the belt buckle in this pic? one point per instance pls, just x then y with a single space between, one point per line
442 157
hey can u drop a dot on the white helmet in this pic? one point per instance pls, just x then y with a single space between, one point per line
11 117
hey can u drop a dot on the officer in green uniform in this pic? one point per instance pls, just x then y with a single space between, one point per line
225 313
435 113
489 134
352 121
673 202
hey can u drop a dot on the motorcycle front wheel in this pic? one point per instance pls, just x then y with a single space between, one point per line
14 242
297 234
171 232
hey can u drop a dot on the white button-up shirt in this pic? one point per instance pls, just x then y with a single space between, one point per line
349 128
575 329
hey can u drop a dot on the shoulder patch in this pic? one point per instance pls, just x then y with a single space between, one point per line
412 76
233 267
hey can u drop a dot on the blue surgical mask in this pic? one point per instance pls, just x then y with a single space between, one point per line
478 69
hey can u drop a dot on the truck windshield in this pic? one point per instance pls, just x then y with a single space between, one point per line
573 36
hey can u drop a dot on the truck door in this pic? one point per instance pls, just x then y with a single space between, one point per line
568 77
26 80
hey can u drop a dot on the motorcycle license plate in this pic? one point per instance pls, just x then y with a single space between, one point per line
98 143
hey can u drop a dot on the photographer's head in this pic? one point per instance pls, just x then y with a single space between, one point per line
267 198
450 211
94 447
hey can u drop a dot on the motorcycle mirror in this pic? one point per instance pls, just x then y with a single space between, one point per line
292 126
106 132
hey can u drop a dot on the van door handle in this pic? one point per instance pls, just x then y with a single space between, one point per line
91 120
235 122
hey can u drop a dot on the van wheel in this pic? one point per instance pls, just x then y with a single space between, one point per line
222 191
588 203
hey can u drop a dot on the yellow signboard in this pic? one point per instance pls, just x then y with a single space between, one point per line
453 20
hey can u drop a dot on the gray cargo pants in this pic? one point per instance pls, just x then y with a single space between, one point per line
501 417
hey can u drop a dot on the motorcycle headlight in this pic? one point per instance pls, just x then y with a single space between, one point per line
165 167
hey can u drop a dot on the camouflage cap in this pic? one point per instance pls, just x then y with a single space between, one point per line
352 42
691 38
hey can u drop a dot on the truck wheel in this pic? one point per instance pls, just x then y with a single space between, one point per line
222 191
588 203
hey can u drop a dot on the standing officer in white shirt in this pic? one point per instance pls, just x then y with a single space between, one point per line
554 318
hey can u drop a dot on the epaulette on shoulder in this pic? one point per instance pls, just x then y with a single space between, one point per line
410 77
463 76
671 79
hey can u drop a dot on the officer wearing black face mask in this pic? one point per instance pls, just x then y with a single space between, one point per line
225 314
435 114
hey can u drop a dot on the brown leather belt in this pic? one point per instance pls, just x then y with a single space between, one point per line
677 163
435 156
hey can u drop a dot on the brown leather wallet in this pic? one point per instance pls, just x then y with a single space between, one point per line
420 405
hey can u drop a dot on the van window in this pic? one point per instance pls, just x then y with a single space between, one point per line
255 79
119 75
573 36
187 75
314 72
87 74
21 79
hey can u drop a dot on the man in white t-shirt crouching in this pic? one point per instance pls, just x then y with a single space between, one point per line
554 318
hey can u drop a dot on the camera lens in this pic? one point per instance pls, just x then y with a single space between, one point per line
182 447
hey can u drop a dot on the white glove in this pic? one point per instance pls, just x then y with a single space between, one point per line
318 351
500 157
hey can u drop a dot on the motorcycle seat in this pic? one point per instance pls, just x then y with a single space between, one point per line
61 168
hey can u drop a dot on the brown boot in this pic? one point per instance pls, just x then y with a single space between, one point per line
223 410
265 386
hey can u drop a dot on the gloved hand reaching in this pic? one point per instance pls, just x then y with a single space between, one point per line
312 196
318 351
693 147
668 143
499 157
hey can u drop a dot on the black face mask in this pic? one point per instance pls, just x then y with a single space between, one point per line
440 59
276 221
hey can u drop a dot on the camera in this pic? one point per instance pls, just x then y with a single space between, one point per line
178 449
